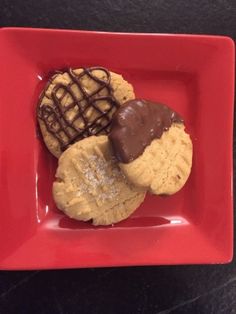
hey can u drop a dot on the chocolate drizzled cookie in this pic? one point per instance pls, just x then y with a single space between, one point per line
79 103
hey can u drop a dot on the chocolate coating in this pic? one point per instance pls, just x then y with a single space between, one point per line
135 124
55 116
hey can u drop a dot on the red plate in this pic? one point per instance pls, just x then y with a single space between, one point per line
194 75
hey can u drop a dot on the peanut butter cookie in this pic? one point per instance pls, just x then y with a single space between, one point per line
151 144
90 186
78 103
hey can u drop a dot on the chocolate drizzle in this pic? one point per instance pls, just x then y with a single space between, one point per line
69 130
136 124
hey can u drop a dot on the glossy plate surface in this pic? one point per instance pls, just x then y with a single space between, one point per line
194 75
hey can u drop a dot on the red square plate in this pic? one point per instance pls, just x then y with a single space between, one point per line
194 75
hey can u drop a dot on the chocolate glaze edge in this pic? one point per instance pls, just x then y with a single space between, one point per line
136 123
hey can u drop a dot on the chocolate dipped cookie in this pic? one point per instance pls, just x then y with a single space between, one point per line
151 145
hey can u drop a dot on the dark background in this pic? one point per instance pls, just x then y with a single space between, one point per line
176 289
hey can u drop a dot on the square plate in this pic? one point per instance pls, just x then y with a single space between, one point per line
193 74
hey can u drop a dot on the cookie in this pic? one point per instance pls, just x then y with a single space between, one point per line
90 186
151 144
77 103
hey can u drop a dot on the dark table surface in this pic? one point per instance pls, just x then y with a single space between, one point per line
172 289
